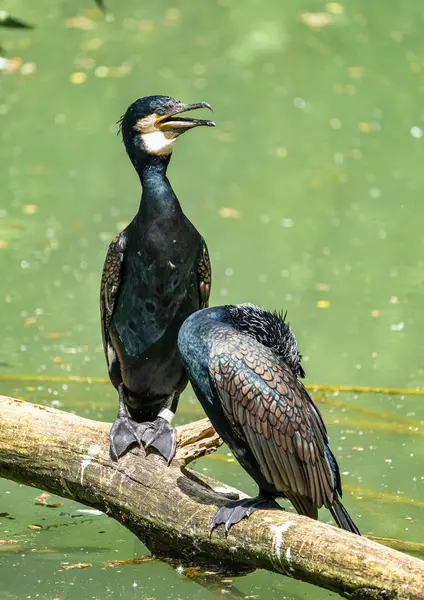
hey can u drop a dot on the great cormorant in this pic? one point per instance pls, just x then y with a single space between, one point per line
244 366
156 273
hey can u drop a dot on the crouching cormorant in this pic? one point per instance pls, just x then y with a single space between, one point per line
156 273
244 366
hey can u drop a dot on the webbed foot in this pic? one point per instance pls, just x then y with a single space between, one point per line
233 512
159 434
122 435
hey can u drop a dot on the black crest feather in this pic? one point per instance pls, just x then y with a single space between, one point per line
119 123
270 329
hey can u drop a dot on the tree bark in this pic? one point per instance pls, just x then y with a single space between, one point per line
170 508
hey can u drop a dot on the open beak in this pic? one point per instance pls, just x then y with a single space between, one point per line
170 122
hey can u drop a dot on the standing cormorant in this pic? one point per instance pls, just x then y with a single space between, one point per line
156 273
244 366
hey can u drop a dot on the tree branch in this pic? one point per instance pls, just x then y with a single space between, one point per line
170 508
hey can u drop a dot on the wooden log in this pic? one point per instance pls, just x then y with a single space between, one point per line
170 508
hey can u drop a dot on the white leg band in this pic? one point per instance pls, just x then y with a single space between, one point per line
166 414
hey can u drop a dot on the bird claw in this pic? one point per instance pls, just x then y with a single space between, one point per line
161 436
234 512
122 435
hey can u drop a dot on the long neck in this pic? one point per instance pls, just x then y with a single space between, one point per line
157 197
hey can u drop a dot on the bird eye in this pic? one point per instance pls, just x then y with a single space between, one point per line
160 111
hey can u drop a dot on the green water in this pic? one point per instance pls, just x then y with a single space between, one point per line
318 155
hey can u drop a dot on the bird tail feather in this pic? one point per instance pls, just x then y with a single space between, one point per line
304 506
342 517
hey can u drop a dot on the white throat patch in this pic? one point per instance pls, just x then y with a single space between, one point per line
156 142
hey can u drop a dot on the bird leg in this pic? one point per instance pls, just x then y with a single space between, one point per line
233 512
160 434
124 430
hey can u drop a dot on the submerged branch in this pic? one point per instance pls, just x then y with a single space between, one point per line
170 508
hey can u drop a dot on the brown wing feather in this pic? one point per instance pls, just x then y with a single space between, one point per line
270 409
204 273
111 279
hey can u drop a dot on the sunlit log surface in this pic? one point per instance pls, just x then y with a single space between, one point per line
170 508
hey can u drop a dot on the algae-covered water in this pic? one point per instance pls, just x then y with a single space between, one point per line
310 195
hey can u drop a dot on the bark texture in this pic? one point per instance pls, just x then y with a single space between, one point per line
170 508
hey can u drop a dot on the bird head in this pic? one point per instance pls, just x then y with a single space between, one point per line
270 329
152 125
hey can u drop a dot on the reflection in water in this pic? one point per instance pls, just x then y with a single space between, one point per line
308 194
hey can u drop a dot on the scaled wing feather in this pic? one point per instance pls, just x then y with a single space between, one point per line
204 273
109 287
269 408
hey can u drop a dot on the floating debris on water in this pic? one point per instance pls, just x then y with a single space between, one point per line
416 132
316 20
229 213
356 72
120 71
90 511
80 22
42 498
323 287
172 17
10 65
76 566
29 209
129 561
323 304
335 8
28 68
78 77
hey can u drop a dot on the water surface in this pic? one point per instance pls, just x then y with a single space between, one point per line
309 194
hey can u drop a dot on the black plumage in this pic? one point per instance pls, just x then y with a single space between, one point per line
244 365
156 273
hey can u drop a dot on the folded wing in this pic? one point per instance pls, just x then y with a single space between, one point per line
270 409
109 286
204 275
